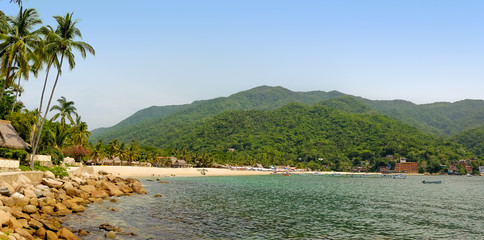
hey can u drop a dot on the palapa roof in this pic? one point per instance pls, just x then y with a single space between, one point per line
9 138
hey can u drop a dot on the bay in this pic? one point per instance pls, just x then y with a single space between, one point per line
295 207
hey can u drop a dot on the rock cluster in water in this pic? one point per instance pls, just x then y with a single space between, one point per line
30 211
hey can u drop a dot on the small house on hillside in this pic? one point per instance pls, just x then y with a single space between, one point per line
9 138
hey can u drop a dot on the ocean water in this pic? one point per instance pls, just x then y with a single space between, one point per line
295 207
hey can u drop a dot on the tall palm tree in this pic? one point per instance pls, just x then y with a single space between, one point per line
133 152
62 43
79 135
113 148
65 110
18 44
98 152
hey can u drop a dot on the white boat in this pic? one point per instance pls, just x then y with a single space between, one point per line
399 176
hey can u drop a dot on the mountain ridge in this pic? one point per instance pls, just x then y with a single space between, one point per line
442 119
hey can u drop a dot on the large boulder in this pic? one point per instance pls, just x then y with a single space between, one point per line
49 235
61 210
110 235
66 234
29 193
35 224
4 217
78 208
21 201
79 181
88 188
112 189
24 180
99 194
138 187
41 232
14 223
8 201
49 175
10 187
72 192
51 183
29 209
24 233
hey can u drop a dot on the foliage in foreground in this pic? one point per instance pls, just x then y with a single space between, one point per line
58 171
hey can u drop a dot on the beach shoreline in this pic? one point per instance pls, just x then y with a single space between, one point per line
140 172
144 172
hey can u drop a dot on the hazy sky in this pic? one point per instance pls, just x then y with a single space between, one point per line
175 52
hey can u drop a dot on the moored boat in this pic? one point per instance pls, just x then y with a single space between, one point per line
399 176
431 182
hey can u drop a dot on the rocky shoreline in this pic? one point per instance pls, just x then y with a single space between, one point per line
32 211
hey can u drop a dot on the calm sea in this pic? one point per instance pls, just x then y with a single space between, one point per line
296 207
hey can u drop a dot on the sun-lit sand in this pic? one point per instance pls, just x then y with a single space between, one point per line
127 171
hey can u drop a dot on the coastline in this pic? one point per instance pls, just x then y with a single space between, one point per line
128 171
140 172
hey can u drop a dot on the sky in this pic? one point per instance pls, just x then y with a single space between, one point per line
157 53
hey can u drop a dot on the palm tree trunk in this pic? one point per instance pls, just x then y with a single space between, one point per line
36 128
6 80
46 112
16 95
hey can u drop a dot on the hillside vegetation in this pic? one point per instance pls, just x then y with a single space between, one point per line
303 133
439 119
273 125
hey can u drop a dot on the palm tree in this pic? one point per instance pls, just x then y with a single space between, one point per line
113 148
133 152
59 136
98 152
18 44
79 134
66 109
61 42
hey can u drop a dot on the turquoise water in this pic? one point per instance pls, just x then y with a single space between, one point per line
296 207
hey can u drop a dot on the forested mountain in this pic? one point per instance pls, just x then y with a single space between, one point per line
304 133
156 125
472 139
156 122
441 119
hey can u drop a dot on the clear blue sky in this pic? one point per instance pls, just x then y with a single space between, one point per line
175 52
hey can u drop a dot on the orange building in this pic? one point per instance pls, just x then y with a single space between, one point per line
407 167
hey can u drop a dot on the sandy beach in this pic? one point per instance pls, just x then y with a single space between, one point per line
127 171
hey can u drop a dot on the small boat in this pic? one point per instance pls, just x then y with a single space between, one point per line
286 174
468 175
399 176
429 182
336 175
317 173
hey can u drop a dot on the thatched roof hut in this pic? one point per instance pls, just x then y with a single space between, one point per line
9 138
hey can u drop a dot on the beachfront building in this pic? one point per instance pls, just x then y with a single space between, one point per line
10 139
178 163
406 167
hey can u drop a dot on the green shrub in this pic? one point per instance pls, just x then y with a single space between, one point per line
13 154
56 170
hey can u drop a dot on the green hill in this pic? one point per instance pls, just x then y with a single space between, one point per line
149 126
472 139
156 125
441 119
310 132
